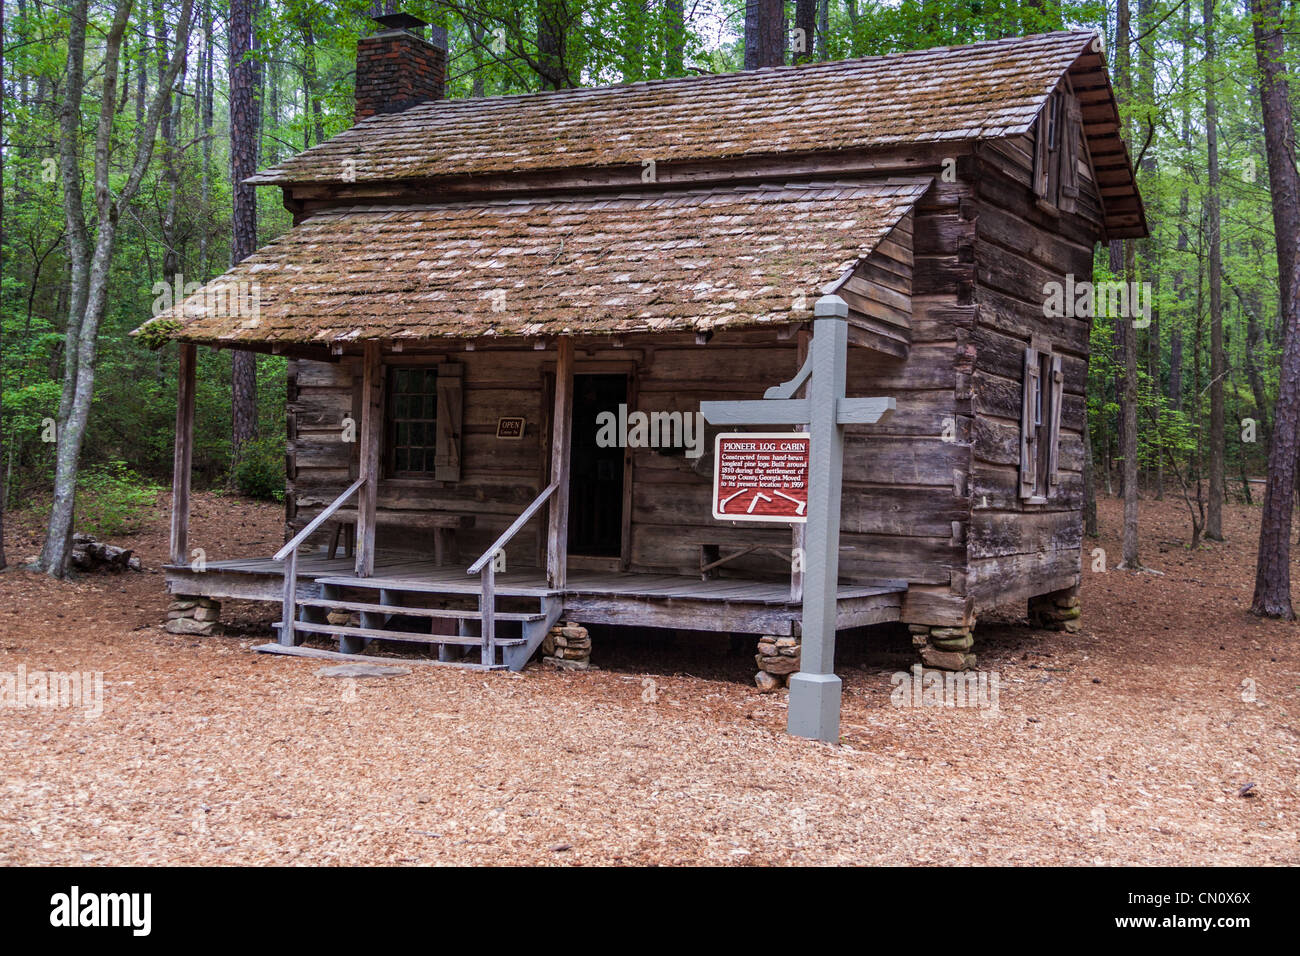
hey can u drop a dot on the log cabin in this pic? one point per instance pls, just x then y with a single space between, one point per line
471 287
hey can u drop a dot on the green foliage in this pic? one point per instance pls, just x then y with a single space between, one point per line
259 473
306 52
113 500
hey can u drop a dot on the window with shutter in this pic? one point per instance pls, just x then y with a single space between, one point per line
1030 415
447 457
1071 131
1050 150
1055 395
1040 425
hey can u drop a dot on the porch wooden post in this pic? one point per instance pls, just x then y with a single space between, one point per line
371 423
182 456
557 535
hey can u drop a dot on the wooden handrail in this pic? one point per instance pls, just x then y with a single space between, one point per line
485 567
511 531
317 521
290 552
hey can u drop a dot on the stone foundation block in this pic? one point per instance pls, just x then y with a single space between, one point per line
777 658
1058 611
567 646
189 614
946 648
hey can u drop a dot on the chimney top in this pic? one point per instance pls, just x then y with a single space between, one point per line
399 21
397 68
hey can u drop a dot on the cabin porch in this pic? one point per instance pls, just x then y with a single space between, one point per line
410 599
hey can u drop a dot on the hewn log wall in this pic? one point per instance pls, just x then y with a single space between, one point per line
1017 550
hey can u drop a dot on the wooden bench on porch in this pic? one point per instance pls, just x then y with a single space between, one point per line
443 524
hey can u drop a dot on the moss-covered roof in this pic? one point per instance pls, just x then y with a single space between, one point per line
657 261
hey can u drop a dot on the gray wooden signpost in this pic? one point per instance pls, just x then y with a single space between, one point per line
815 690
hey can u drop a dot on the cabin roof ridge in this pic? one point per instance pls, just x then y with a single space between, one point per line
943 93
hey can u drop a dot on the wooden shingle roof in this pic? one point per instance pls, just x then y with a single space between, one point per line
690 260
978 90
954 94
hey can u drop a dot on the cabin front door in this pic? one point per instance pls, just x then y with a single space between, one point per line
596 469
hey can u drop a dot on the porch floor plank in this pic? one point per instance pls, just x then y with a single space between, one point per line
410 573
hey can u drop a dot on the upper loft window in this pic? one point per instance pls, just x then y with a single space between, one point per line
412 421
1056 152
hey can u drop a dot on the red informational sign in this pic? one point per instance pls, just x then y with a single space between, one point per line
761 476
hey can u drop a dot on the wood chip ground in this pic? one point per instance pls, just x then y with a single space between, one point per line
1127 743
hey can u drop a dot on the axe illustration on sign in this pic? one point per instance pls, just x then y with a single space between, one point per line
802 504
723 506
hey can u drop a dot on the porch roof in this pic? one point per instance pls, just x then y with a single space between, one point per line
697 260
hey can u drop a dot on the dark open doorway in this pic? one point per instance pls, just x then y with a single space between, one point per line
596 473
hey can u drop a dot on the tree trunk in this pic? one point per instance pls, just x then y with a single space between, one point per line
1254 343
764 33
1129 409
90 262
1119 332
169 130
243 163
805 19
552 27
312 80
1272 596
674 39
1214 514
1176 369
1148 249
823 27
205 193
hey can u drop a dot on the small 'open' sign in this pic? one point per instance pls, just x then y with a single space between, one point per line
511 428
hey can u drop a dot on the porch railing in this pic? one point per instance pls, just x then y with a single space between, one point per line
485 568
289 554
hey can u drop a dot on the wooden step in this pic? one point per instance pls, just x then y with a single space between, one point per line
470 586
323 655
374 633
464 614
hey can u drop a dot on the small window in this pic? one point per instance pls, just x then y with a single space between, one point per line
1056 156
1040 424
412 421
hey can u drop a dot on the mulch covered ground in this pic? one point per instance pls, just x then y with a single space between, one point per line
1126 743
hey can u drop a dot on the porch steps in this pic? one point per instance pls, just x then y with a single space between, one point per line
379 634
316 653
439 612
381 603
470 587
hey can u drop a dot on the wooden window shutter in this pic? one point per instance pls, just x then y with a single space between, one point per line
1041 151
1071 130
1056 389
1047 151
446 459
1028 428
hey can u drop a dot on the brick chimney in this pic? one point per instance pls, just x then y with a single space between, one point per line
398 69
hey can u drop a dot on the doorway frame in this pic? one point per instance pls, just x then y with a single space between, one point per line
590 366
